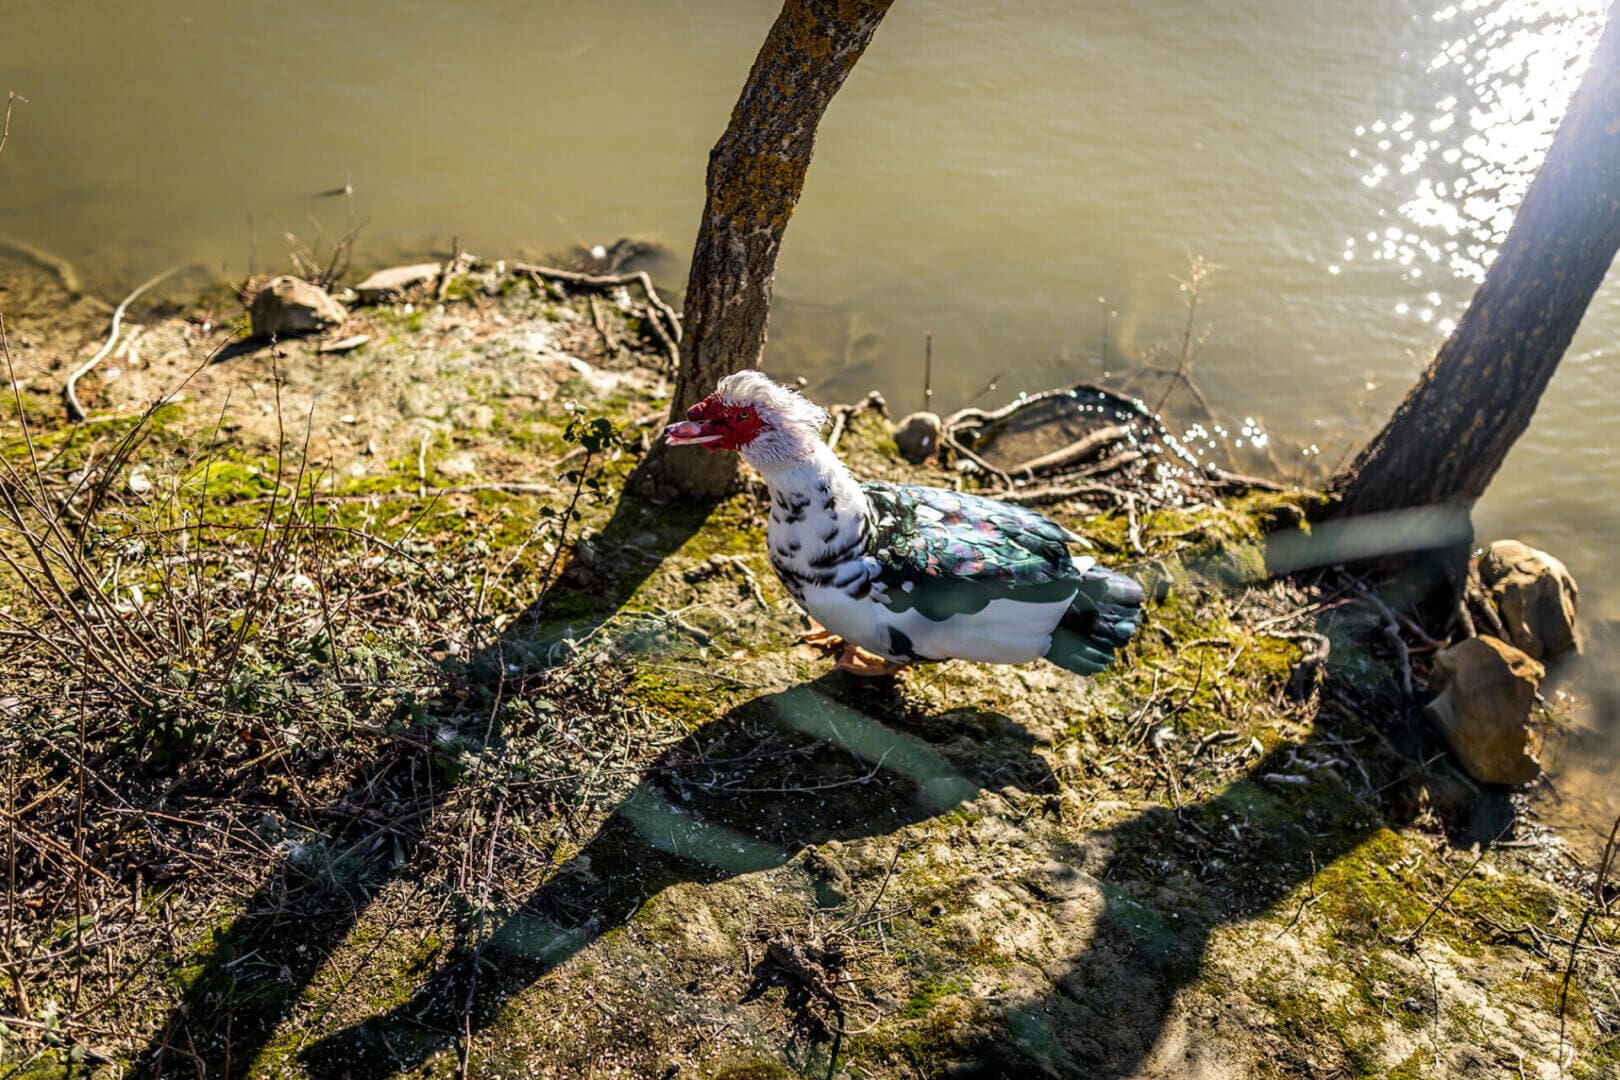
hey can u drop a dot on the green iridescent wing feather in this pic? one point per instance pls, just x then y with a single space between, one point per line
946 553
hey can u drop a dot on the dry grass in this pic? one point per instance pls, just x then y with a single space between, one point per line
222 689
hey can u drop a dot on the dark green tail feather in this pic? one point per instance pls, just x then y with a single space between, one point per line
1099 622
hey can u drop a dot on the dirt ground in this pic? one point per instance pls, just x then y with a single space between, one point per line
357 723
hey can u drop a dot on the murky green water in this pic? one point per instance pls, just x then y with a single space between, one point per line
1024 180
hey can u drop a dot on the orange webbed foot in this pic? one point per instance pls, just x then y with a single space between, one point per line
858 661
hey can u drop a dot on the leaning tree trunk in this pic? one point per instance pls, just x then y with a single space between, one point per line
756 172
1451 434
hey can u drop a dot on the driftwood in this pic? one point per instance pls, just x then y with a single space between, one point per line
1239 482
1077 451
843 414
967 430
666 325
979 418
70 394
950 440
1032 496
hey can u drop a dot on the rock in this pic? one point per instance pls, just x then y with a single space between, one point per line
1484 711
1536 596
287 307
348 344
918 436
391 284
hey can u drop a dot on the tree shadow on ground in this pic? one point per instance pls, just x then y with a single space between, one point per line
832 759
252 971
837 758
1171 878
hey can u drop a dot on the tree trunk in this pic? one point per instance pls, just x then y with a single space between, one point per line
756 173
1451 434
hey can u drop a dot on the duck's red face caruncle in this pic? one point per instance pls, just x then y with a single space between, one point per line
716 423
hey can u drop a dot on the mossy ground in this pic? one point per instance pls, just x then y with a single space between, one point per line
585 817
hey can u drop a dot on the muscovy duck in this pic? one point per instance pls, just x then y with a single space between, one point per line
901 573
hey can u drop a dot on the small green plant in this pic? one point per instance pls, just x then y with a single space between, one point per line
598 438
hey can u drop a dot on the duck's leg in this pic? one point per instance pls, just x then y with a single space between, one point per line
819 637
857 661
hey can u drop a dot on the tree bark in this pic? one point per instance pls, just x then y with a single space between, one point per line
1456 426
756 173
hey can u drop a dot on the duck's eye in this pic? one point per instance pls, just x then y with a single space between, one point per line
746 416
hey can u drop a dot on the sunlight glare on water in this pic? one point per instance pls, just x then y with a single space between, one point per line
1461 164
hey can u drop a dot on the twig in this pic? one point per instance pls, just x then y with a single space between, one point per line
1409 942
671 348
843 414
1305 901
1600 902
1199 268
1132 530
609 345
1069 489
840 415
1474 591
884 884
1081 449
12 97
1298 613
449 269
1464 620
1000 474
670 338
478 948
75 410
1315 649
1392 630
928 371
1421 634
1239 482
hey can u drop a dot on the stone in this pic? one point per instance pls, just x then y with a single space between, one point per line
289 307
1536 597
918 436
348 344
392 283
1484 710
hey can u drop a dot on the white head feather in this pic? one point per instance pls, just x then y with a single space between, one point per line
793 422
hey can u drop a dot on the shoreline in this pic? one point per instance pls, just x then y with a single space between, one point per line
461 732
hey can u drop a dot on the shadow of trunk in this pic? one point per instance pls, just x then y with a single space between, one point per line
837 758
1172 879
251 972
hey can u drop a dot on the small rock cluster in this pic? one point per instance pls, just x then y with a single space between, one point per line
287 307
291 307
1488 685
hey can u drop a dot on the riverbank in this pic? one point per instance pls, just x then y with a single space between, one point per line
373 727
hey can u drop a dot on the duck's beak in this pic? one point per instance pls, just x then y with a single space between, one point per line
690 433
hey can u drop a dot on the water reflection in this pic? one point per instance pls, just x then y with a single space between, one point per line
1462 164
